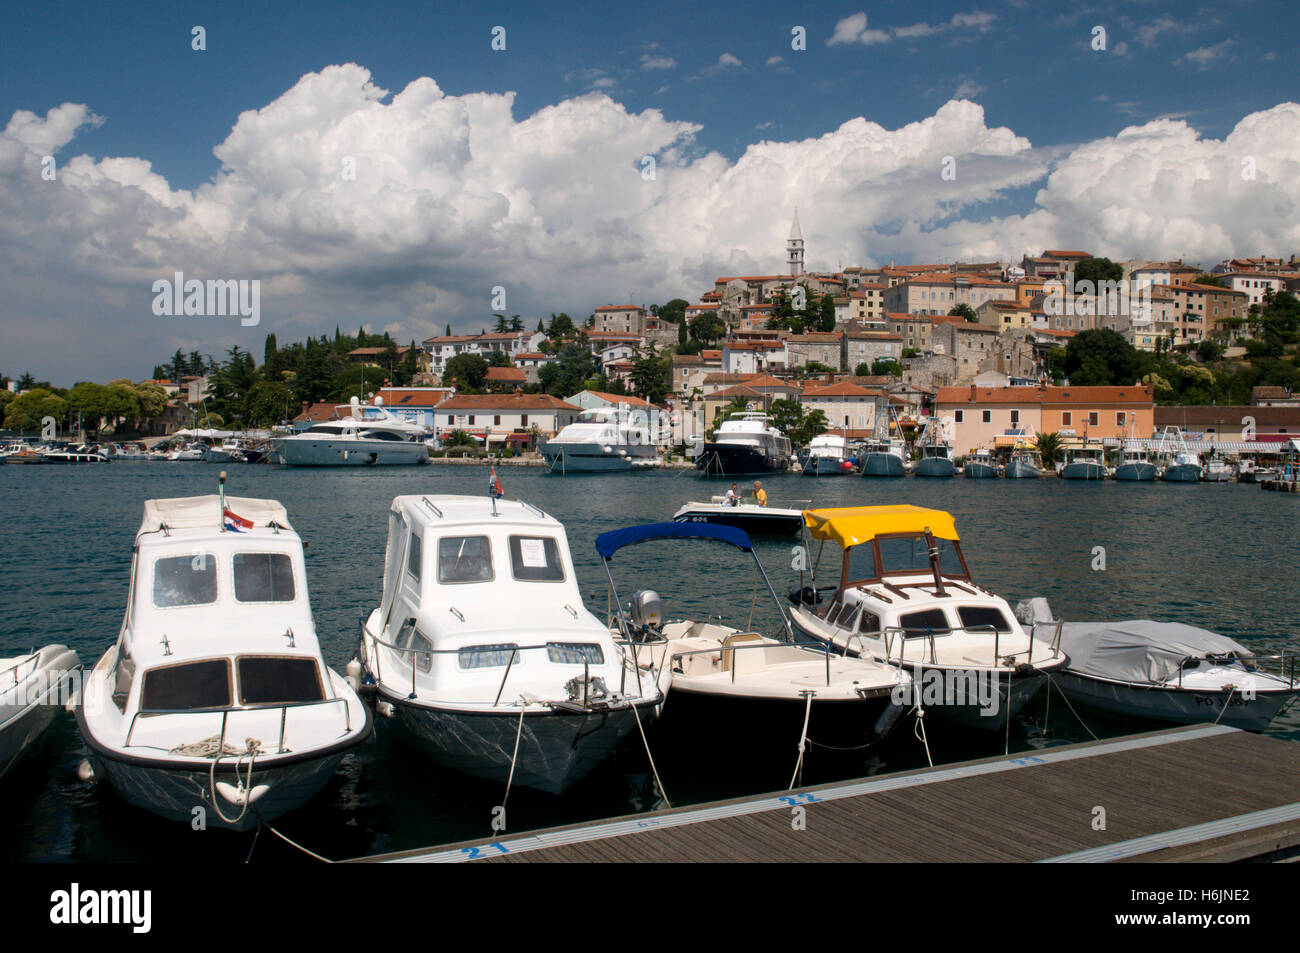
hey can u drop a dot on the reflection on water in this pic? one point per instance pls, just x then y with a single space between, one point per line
1220 556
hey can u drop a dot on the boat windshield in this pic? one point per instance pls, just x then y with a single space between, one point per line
464 559
536 559
263 577
185 581
902 554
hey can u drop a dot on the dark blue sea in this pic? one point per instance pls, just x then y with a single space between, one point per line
1221 556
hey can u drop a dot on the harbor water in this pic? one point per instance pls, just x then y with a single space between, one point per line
1220 556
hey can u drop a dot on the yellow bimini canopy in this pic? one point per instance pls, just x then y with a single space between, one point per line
851 525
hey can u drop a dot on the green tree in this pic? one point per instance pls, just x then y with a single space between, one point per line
561 327
787 415
1208 279
651 375
27 410
1049 445
886 365
469 371
674 312
707 327
828 313
1100 356
814 423
1096 270
964 310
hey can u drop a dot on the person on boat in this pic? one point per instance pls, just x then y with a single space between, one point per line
760 495
733 498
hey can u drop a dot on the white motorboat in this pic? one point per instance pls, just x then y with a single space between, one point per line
744 515
187 454
905 596
82 453
1182 465
1168 671
745 443
370 435
827 455
482 652
756 688
604 439
216 702
1219 470
33 687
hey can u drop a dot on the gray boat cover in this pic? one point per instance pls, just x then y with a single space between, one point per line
1140 650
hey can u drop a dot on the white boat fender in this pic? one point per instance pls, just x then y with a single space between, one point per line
238 795
385 708
86 770
353 675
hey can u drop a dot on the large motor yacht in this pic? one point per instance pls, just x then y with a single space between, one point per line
215 702
745 443
370 435
482 652
603 439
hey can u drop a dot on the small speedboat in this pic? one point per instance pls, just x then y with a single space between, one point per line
483 654
216 702
78 454
906 597
980 465
33 688
750 517
1167 671
755 688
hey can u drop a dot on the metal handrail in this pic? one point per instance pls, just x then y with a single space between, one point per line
33 657
771 643
226 712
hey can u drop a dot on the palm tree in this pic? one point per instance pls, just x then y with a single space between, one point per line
1049 445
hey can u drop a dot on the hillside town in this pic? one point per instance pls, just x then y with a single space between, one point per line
985 346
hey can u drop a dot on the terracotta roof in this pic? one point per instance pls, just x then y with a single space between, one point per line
1223 415
1066 254
740 390
711 355
507 402
414 396
506 375
840 389
872 336
617 398
1137 394
618 307
319 411
815 337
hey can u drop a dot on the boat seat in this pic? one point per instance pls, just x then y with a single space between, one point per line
733 639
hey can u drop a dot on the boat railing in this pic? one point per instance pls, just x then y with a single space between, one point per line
515 651
1288 662
282 707
12 671
766 642
903 634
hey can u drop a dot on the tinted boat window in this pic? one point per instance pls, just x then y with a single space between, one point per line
464 559
189 686
263 577
862 562
489 656
185 581
266 681
414 554
535 559
911 554
972 616
932 619
575 653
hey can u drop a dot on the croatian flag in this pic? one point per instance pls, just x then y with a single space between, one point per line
494 485
234 522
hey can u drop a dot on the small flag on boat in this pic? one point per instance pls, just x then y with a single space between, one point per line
237 523
494 485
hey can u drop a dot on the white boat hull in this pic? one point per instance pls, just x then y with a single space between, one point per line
1184 706
592 458
28 707
325 452
556 748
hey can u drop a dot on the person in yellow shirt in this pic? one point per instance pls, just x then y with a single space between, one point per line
760 495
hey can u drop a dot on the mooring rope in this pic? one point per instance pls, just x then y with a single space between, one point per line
918 731
519 730
1226 702
309 853
803 738
254 748
1051 682
653 770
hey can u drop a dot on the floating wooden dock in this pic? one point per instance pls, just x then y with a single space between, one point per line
1200 793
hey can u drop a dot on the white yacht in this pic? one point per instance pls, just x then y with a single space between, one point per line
216 702
905 596
370 435
745 443
827 455
604 439
482 652
33 687
753 687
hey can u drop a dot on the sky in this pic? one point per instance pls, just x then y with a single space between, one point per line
392 166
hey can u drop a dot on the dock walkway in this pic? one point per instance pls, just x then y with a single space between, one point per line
1197 793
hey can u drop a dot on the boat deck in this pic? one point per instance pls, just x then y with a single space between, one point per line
1201 793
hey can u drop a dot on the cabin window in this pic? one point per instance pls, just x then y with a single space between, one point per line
575 653
422 646
191 686
278 681
489 656
911 554
848 616
862 562
263 577
870 622
916 624
535 559
403 638
185 581
123 675
414 554
464 559
972 616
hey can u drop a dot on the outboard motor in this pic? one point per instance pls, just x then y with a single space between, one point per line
806 596
645 610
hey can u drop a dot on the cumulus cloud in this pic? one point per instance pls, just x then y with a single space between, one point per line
657 62
449 196
1206 56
